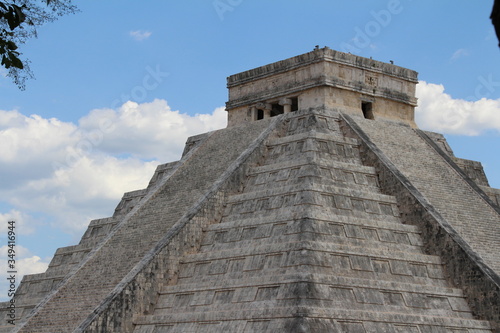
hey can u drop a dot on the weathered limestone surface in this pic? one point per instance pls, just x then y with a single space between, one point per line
463 264
35 287
311 245
96 278
473 169
493 193
473 218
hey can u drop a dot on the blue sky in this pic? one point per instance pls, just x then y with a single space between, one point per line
120 85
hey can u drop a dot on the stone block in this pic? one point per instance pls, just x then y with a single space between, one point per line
360 263
368 296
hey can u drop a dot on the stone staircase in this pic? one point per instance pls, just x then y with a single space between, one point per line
90 271
34 287
311 245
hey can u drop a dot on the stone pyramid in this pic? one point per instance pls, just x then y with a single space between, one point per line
321 208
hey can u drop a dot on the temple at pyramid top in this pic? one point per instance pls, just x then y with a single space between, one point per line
323 77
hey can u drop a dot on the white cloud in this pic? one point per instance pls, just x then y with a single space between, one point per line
438 111
459 54
24 223
74 194
140 35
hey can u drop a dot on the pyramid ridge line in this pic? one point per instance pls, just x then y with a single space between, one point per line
438 217
480 292
476 188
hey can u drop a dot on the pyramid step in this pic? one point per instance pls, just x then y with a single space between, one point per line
336 300
330 146
302 121
295 213
287 249
6 328
296 172
162 171
288 324
313 278
312 155
315 166
331 291
340 200
38 285
224 241
98 229
381 269
345 260
337 226
304 274
69 255
297 253
321 189
21 312
129 201
284 325
34 287
282 319
315 136
314 159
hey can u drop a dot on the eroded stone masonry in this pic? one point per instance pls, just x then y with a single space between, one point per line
321 208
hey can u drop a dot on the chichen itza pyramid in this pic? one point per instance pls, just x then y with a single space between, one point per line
320 208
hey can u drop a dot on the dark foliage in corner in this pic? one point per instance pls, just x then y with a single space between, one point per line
495 18
19 20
